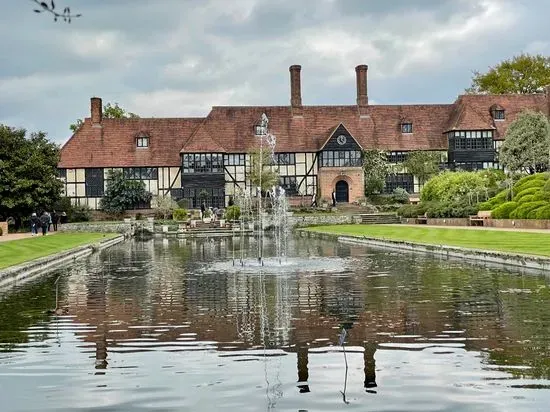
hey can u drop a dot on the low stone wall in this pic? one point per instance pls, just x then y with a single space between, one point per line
500 223
40 266
124 228
320 219
4 227
533 263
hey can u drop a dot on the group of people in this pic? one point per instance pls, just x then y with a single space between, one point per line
45 222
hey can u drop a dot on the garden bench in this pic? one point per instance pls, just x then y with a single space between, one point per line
480 218
422 220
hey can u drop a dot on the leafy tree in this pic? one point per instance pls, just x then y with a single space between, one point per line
521 74
261 169
165 205
450 186
109 112
28 173
527 144
375 168
422 164
123 194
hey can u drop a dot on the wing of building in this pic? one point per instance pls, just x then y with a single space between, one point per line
318 149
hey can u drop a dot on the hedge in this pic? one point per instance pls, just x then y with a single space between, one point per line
523 209
504 210
543 212
179 214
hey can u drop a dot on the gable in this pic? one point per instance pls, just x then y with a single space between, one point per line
341 139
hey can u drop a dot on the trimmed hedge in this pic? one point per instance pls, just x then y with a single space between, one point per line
526 192
523 209
543 212
504 210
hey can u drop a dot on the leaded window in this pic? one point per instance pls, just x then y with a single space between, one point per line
289 184
402 180
203 163
406 127
343 158
285 158
397 157
140 173
499 114
471 140
234 159
142 141
212 197
94 182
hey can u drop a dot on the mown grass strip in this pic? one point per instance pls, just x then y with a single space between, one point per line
529 243
15 252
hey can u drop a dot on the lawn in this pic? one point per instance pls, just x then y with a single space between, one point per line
530 243
14 252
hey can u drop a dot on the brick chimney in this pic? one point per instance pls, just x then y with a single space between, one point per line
96 109
362 95
295 86
547 90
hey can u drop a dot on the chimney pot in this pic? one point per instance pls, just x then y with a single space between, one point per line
362 94
295 86
96 109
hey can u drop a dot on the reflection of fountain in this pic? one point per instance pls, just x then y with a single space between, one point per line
253 214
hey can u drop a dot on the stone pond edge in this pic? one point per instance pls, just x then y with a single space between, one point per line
539 263
45 264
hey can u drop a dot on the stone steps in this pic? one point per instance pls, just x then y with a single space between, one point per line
379 219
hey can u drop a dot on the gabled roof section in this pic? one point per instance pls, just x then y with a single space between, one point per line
114 143
336 131
473 112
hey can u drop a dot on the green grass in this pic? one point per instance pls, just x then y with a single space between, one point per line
14 252
530 243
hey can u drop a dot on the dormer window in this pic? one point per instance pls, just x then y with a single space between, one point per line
142 141
499 114
406 127
260 130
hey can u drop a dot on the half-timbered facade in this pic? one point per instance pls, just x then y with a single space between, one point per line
318 149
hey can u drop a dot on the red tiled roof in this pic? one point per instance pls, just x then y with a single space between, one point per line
114 144
231 129
473 112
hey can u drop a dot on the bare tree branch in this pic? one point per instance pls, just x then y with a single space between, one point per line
43 6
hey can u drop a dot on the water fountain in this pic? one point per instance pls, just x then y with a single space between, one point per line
254 214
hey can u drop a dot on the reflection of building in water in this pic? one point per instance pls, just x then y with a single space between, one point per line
303 372
369 366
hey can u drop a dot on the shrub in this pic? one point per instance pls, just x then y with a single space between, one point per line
400 195
139 216
546 186
523 210
79 214
233 213
542 196
184 203
525 192
526 199
504 210
179 214
409 211
543 212
527 182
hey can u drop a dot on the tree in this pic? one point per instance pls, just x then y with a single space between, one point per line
527 144
43 6
123 194
422 164
261 169
521 74
375 168
28 173
165 205
109 112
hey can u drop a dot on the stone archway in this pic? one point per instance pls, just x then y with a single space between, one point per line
342 191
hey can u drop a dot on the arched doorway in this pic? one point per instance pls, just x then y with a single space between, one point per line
342 191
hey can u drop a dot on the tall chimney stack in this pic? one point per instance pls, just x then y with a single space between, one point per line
96 110
547 92
295 86
362 95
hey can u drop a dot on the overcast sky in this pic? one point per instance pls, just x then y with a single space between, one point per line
177 58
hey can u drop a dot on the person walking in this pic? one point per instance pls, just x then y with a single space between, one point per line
49 221
333 198
35 224
203 209
44 222
55 220
63 218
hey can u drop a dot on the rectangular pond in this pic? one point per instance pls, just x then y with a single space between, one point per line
199 325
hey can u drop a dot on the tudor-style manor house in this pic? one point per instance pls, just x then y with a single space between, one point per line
318 148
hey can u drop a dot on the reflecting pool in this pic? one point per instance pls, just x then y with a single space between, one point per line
174 325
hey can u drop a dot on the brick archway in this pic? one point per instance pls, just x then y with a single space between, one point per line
353 176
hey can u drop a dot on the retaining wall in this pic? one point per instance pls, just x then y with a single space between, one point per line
4 227
507 259
500 223
36 267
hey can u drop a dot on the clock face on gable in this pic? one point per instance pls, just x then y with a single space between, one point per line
341 139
